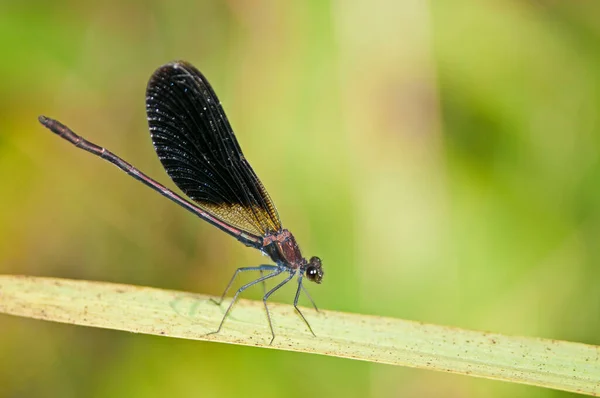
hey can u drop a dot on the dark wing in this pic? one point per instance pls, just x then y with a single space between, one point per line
197 147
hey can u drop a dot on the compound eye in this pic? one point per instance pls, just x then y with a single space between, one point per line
311 273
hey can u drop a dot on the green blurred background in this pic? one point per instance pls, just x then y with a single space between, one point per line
442 158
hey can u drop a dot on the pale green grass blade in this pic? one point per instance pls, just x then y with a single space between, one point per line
548 363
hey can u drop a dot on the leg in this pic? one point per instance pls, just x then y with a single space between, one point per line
298 309
266 297
264 283
260 268
310 298
241 289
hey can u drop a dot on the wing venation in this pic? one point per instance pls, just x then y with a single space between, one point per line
197 147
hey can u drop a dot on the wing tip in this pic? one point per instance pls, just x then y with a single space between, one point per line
176 64
165 72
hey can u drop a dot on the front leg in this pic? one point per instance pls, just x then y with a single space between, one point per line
300 286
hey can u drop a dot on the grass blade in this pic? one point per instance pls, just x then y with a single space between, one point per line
547 363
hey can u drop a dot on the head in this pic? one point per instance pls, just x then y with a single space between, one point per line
314 271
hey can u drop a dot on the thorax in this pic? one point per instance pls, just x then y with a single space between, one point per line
283 248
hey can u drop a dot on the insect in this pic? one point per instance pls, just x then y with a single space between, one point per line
198 149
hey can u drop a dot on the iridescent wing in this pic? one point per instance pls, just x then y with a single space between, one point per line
196 145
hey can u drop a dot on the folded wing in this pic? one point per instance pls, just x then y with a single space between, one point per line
198 149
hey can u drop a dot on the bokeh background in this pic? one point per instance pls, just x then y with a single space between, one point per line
441 157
